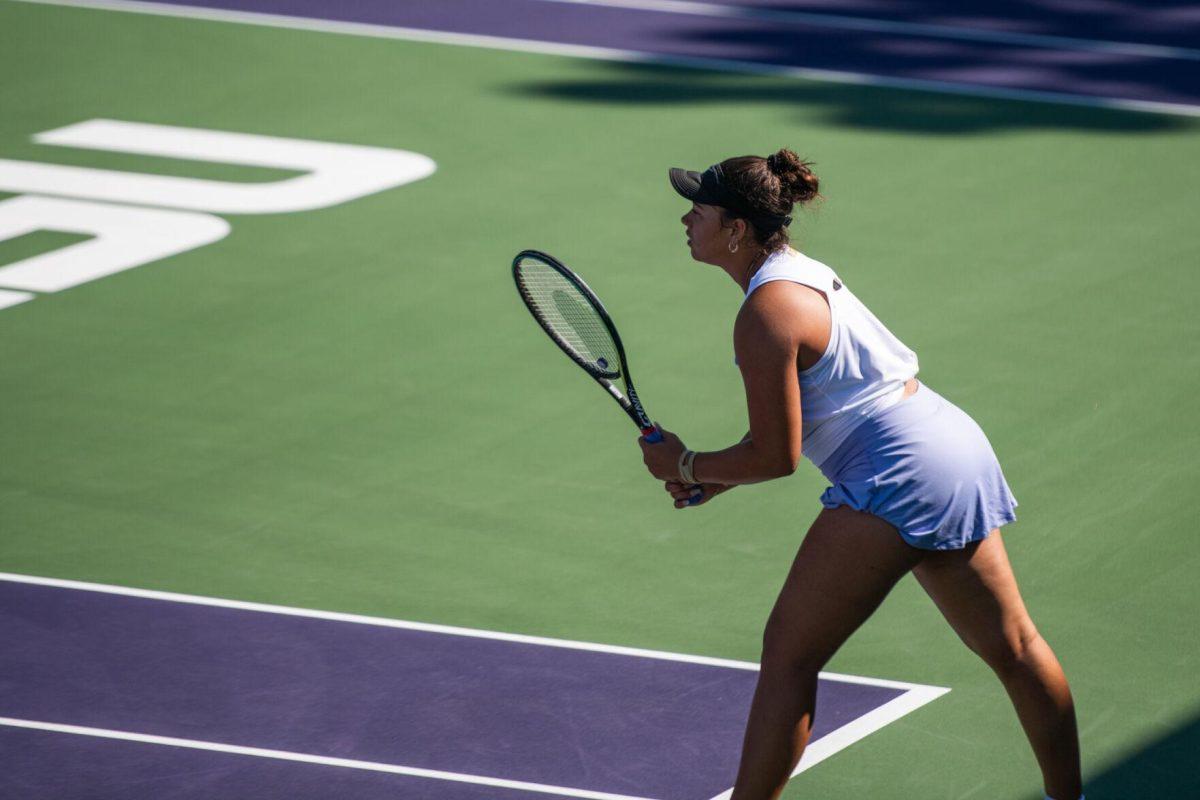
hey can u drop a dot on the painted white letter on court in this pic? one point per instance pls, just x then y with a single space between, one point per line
334 173
124 238
12 298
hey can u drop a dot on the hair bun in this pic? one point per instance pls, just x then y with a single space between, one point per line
795 176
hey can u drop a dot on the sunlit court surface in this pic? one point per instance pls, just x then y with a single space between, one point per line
297 502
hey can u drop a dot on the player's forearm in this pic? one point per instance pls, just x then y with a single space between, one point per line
743 463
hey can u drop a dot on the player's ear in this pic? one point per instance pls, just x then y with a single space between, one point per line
740 229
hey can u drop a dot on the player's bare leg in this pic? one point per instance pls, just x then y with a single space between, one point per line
847 564
977 593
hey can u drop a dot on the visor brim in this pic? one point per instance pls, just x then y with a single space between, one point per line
685 182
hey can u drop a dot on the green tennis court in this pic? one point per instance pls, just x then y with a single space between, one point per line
348 409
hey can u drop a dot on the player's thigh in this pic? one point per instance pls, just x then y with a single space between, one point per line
977 593
845 567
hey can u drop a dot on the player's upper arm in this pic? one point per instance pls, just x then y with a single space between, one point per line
766 338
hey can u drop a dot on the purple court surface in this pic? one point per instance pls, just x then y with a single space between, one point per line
1096 53
111 692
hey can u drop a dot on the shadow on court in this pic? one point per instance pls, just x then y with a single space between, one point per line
864 107
1163 22
1164 768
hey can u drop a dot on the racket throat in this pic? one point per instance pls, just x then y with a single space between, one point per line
632 406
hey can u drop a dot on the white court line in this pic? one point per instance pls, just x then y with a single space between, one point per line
896 27
915 694
384 622
450 630
860 728
307 758
627 56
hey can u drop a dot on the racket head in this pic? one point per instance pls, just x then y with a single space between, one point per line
570 313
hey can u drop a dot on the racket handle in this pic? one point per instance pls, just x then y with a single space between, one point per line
654 436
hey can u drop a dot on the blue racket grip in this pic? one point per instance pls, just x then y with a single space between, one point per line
697 498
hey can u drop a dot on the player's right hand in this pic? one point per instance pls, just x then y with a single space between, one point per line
682 493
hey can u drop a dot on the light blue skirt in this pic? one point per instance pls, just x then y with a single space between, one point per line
924 466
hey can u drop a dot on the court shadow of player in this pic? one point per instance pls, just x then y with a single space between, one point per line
864 107
1165 767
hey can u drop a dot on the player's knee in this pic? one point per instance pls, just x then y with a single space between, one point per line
1009 650
786 647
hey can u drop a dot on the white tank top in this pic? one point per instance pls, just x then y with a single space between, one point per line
861 372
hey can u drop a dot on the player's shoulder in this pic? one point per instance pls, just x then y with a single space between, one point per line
774 318
780 301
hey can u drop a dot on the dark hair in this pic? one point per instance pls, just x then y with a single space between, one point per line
769 188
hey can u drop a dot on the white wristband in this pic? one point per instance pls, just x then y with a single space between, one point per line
686 460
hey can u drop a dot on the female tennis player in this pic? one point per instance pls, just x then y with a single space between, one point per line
914 484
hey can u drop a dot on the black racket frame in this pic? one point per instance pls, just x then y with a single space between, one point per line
629 400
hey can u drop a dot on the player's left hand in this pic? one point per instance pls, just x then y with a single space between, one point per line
662 458
696 495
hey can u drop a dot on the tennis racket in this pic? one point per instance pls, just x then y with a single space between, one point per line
575 319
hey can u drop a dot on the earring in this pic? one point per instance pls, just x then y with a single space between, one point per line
733 245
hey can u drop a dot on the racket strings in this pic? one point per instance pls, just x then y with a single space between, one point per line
570 318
